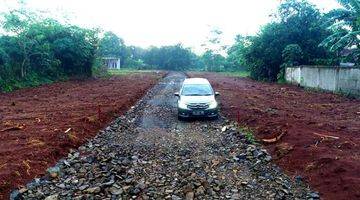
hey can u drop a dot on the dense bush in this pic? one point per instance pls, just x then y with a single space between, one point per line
297 22
36 51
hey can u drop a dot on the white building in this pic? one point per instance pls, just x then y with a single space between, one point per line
111 62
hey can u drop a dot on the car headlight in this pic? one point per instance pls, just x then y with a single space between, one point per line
182 105
213 105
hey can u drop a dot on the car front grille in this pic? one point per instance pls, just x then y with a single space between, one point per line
198 106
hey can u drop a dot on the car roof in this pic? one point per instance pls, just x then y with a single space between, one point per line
196 81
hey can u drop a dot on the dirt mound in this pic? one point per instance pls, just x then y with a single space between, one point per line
322 129
40 125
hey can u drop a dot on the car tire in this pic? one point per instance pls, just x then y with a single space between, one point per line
180 118
215 117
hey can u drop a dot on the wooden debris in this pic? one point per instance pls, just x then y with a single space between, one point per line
26 163
38 120
326 136
36 142
273 140
13 128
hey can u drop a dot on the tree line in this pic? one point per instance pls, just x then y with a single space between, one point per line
300 35
36 50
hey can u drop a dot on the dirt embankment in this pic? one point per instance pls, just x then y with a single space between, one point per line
321 131
40 125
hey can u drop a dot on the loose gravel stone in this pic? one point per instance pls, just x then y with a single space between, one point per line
149 154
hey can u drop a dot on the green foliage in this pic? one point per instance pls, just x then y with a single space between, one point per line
213 61
345 26
123 72
249 134
236 54
170 57
292 54
113 46
36 50
298 22
236 73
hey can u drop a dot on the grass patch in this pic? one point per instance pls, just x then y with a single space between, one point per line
236 74
337 92
249 134
124 72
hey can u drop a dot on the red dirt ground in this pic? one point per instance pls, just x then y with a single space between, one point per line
47 112
330 166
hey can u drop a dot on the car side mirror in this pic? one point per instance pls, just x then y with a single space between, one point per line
177 94
217 93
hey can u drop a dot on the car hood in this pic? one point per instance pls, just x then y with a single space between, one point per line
197 99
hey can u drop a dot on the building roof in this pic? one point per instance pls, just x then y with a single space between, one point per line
196 81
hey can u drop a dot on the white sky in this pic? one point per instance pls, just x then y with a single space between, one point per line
165 22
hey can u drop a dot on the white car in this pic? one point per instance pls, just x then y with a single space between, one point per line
197 99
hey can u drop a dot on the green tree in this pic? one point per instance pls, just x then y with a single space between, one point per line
292 54
36 50
345 27
169 57
213 58
112 45
298 22
235 59
213 61
18 22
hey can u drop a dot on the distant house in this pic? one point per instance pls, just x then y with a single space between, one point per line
111 62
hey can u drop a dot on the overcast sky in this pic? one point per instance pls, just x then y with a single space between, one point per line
165 22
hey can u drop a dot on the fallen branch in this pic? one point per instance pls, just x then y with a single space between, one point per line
26 163
3 165
326 136
13 128
273 140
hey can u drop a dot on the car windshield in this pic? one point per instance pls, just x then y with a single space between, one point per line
196 90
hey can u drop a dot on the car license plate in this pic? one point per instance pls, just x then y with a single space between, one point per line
198 112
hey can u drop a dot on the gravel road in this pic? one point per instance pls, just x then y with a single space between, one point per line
149 154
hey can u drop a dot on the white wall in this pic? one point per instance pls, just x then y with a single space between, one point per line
345 79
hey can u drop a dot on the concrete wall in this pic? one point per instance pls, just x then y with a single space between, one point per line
344 79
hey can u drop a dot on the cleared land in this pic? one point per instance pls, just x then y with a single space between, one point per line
320 131
39 126
149 154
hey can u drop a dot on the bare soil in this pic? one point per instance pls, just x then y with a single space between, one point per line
328 164
39 126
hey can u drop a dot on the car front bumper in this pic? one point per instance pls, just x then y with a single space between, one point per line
188 113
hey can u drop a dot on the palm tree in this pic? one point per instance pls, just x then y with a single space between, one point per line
345 25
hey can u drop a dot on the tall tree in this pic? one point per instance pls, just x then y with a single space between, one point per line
345 26
113 45
36 50
235 59
214 50
18 22
298 22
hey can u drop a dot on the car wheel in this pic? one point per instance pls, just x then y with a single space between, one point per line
215 117
180 118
